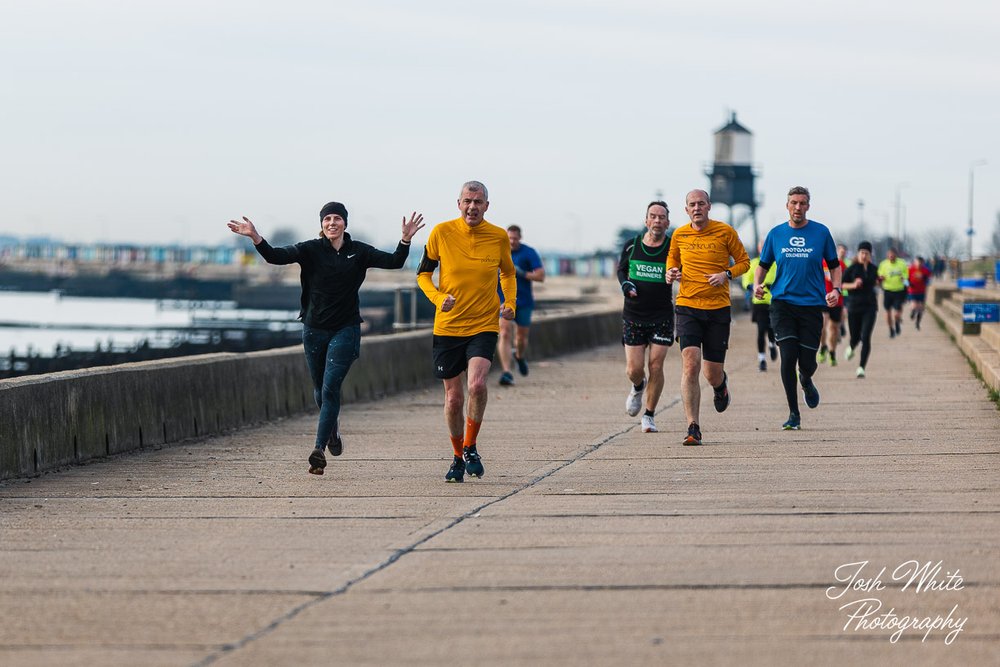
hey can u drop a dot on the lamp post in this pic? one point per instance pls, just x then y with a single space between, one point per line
899 186
972 175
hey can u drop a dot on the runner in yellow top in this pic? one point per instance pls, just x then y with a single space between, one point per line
700 255
468 251
761 311
894 272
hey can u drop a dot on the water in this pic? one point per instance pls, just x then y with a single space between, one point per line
42 321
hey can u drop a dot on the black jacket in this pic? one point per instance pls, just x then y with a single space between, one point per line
331 278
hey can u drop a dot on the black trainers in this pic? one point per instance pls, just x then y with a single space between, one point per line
522 365
317 461
773 351
694 435
335 444
899 327
506 379
810 393
456 473
723 397
473 463
762 366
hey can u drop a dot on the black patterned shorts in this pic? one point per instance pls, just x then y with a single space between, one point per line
642 333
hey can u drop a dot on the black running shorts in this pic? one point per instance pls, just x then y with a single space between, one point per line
452 353
836 313
893 300
642 333
707 329
801 323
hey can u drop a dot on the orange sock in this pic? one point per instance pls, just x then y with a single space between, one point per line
471 432
456 444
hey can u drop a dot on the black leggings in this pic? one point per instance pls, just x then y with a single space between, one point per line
862 322
793 355
764 330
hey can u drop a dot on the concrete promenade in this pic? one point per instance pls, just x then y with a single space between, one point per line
587 543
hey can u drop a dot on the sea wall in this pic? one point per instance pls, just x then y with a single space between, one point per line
48 421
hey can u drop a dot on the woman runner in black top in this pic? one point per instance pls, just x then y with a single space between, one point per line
333 267
861 278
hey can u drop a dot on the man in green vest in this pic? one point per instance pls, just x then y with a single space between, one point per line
648 312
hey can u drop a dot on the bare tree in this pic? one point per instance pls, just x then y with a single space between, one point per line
855 235
940 241
995 238
283 236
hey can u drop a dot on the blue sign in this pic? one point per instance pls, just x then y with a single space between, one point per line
981 312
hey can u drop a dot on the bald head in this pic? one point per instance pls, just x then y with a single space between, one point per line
697 206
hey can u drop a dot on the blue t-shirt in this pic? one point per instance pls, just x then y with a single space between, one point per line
799 254
526 259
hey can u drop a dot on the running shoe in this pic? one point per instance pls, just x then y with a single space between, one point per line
723 397
850 352
634 401
522 365
810 393
694 435
648 426
317 461
794 422
899 327
456 473
335 444
774 351
821 357
892 332
473 463
861 372
762 366
833 361
507 379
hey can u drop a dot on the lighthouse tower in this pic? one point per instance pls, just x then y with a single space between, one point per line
732 174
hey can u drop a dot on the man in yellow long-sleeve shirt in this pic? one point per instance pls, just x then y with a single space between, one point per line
704 256
468 251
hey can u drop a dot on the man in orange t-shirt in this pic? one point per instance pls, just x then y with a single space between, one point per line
468 254
704 256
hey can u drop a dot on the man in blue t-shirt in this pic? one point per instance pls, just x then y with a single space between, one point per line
798 295
529 269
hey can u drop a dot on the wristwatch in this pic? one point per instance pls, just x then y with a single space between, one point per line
729 274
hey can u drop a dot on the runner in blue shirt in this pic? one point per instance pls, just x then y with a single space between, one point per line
529 269
798 295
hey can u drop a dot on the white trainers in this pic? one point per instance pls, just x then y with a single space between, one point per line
633 404
647 425
850 352
861 372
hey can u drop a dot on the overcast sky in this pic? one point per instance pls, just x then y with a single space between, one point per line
153 121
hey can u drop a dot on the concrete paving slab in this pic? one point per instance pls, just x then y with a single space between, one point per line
588 542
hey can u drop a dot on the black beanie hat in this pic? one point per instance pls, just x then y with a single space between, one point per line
334 207
865 245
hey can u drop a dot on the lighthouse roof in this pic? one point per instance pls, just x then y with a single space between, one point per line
733 127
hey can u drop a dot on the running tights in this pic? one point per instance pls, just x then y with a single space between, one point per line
792 355
764 332
862 322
